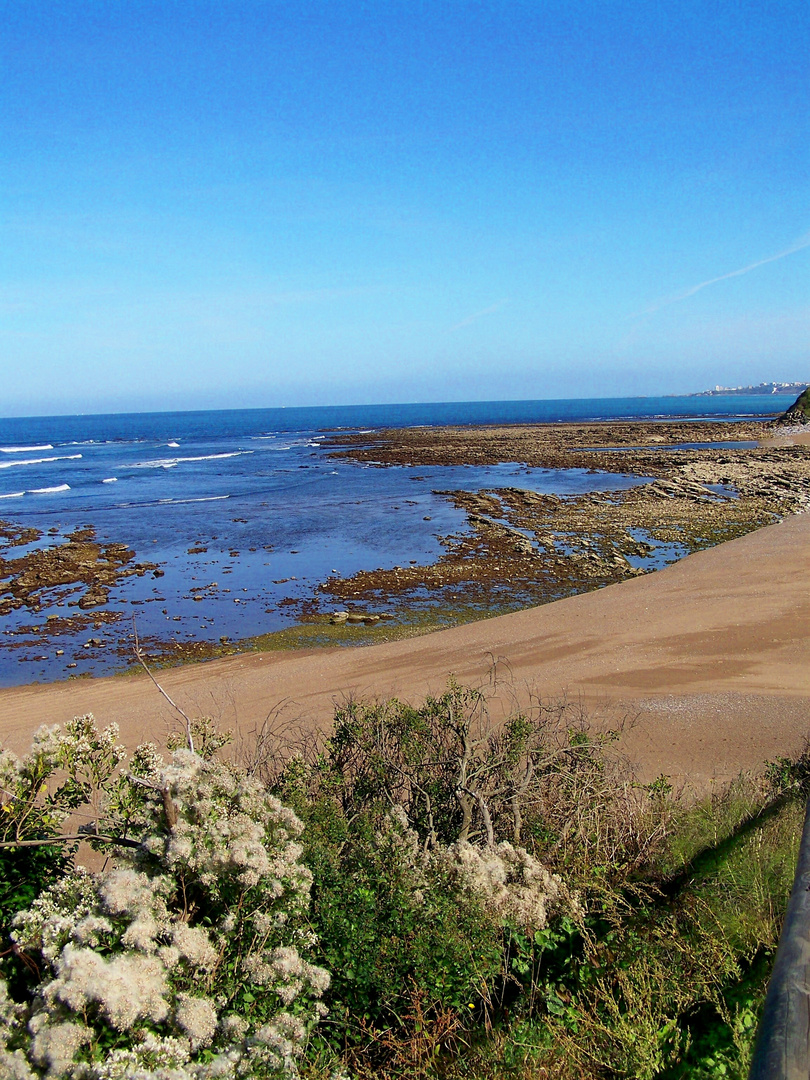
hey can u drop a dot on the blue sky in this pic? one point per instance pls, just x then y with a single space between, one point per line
230 204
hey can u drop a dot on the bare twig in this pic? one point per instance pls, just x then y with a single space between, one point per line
121 840
517 795
168 805
482 806
140 658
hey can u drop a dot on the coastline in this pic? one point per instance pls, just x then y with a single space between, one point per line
709 659
637 495
697 483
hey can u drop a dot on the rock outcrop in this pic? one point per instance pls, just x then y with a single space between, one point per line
799 411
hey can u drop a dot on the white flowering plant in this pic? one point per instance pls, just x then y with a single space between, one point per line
64 770
189 957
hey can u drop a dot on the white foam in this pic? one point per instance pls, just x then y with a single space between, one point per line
47 491
169 463
172 443
38 461
110 480
12 495
24 449
205 498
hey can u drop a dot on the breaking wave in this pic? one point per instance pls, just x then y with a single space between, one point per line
38 461
24 449
203 498
170 463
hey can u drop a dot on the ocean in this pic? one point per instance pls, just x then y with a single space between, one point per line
246 513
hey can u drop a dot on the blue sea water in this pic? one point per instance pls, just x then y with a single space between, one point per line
258 491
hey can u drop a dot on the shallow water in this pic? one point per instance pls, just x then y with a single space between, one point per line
276 516
257 490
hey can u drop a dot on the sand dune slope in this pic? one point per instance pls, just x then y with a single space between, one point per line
712 655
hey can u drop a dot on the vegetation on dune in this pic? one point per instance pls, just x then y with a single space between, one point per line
423 893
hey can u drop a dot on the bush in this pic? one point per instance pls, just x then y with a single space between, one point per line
488 900
189 956
414 818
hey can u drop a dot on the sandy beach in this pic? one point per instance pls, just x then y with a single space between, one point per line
709 659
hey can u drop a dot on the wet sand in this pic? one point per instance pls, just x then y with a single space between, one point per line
708 658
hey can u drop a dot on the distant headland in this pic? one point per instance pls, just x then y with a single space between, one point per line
760 388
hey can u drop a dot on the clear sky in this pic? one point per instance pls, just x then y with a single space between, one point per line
225 204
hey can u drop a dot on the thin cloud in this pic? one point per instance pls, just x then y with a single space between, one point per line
798 245
480 314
